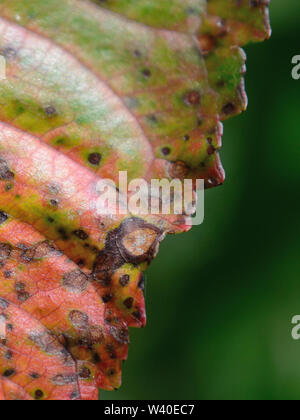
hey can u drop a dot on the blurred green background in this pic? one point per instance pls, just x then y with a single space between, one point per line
220 299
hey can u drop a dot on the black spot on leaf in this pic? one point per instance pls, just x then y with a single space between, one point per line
81 234
9 372
3 217
38 395
95 159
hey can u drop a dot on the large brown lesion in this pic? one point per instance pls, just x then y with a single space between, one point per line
138 242
49 344
134 241
75 281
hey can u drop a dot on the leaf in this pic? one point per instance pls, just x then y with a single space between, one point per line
94 88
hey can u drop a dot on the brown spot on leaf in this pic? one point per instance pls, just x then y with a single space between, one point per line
134 241
54 189
81 262
137 315
81 234
137 53
8 274
63 233
34 375
23 296
94 335
228 109
8 187
212 182
3 217
5 173
111 351
96 358
5 251
95 158
62 379
9 53
19 287
193 98
9 372
166 151
75 281
78 319
50 110
3 318
8 355
146 73
106 298
47 342
124 280
75 396
259 3
178 170
43 249
54 203
141 283
22 246
85 373
138 242
128 302
106 263
221 84
38 251
28 255
153 119
206 43
120 334
211 150
38 395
